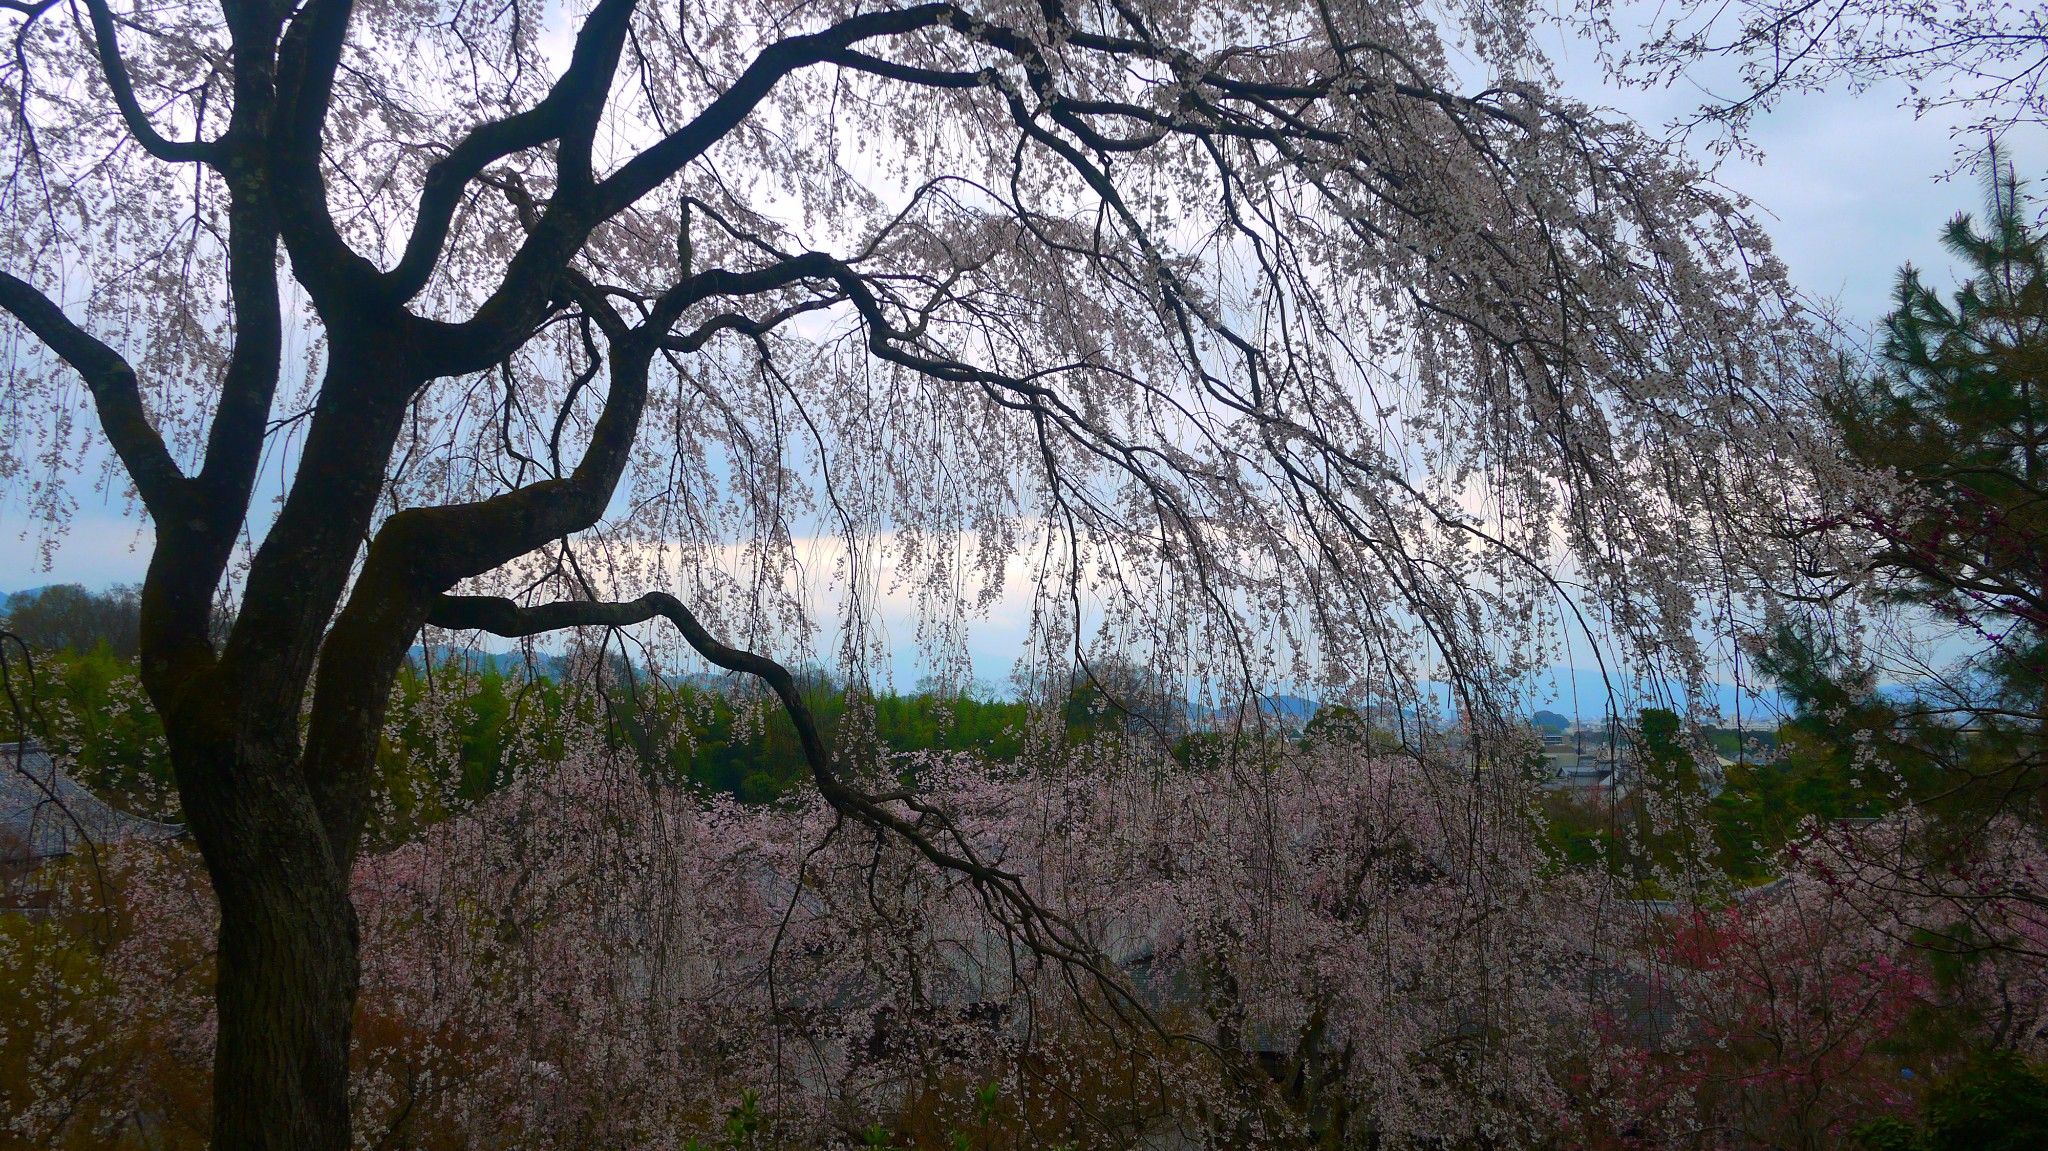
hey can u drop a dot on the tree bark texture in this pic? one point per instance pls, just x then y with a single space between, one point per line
287 959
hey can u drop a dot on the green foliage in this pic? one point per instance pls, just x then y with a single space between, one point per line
1739 745
1667 770
744 1123
1887 1133
1815 775
1762 804
1635 835
1577 834
458 729
1663 751
1960 409
986 1097
1957 406
1996 1101
984 1105
1115 695
951 723
90 711
1852 752
67 617
746 1126
457 732
1335 722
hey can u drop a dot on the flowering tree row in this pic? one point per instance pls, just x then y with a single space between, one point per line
582 959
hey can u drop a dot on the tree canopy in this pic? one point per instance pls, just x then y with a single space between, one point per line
67 616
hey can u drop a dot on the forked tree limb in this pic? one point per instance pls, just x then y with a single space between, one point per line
571 106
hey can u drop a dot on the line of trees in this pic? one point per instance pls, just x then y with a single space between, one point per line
68 617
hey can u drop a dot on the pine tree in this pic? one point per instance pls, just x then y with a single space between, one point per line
1959 409
1955 408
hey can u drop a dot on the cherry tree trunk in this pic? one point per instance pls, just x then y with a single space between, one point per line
288 965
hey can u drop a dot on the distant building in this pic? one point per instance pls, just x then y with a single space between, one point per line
1601 761
1584 759
45 814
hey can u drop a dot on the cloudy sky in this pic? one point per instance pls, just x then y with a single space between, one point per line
1850 186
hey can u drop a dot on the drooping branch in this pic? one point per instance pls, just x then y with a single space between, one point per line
502 617
1102 338
928 829
114 392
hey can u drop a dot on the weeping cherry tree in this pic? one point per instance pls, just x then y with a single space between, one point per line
1304 343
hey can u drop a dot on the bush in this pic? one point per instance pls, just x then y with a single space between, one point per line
1994 1102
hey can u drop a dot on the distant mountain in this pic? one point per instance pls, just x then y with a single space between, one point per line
502 662
1587 694
1287 708
1291 707
543 664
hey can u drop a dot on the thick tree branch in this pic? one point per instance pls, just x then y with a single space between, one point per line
421 552
908 73
570 107
301 569
234 444
644 172
531 275
118 81
462 348
307 59
749 326
193 550
114 392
